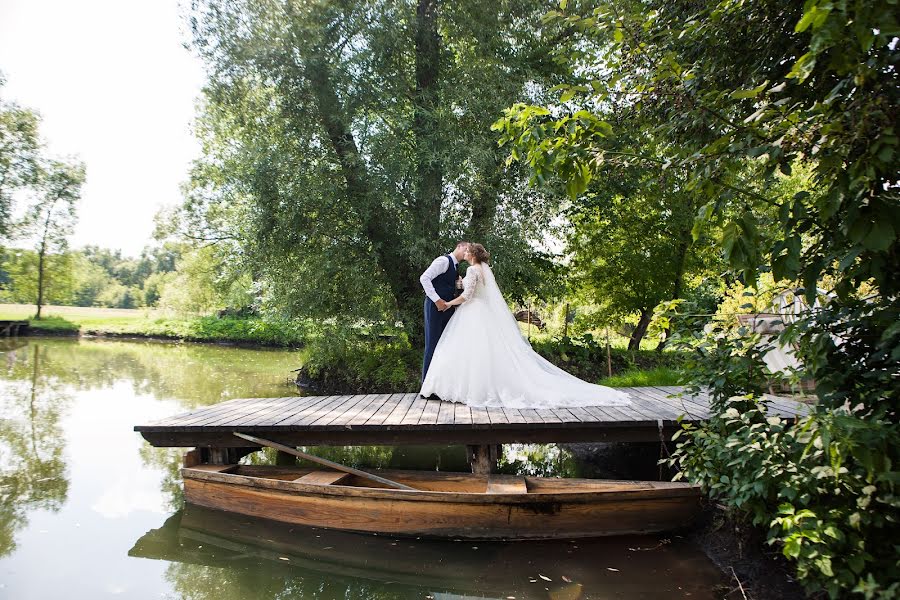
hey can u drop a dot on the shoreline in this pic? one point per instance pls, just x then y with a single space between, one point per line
137 336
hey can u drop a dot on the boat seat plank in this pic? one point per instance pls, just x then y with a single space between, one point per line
213 468
323 477
506 485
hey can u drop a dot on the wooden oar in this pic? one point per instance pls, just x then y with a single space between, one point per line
324 461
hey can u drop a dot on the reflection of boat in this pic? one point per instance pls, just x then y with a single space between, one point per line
351 563
456 505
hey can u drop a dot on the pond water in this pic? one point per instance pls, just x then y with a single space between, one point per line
89 510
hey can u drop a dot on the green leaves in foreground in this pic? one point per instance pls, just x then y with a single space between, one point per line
824 486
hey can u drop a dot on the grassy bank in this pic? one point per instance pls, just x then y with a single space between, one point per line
78 320
334 364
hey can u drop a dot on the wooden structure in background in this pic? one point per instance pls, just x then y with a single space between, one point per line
13 328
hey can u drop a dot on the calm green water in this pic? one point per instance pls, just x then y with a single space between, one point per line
88 510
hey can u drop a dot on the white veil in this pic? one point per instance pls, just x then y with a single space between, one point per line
506 322
567 389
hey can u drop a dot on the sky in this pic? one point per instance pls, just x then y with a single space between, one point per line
115 87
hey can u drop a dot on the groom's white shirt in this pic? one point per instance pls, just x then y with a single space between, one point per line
437 267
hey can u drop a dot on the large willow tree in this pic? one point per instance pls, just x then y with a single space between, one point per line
346 143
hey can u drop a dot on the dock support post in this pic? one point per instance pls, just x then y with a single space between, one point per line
284 459
224 456
483 458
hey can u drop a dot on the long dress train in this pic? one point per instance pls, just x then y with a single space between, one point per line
483 360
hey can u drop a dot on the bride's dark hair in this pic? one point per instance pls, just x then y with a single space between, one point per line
480 254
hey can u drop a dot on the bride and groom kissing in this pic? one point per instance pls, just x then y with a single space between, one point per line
474 351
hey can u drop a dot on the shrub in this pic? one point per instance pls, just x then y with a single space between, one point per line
824 486
586 358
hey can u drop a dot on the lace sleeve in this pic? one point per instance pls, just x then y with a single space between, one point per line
470 282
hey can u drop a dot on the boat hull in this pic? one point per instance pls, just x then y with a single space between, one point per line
564 510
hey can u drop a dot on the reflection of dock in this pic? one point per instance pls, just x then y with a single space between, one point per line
394 419
13 328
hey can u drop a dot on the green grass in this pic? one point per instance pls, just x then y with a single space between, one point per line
638 377
153 323
56 325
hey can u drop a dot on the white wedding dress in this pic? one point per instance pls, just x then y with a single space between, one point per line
483 360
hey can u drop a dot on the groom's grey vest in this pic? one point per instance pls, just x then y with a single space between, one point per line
445 283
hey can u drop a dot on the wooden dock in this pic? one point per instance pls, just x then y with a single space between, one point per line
394 419
13 328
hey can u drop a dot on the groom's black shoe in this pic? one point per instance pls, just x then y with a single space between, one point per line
431 397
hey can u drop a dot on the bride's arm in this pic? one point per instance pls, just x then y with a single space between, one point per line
469 283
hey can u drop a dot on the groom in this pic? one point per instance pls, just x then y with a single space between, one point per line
439 283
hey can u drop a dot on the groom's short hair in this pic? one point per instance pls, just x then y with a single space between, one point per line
458 244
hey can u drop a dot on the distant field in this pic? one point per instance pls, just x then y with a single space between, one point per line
86 316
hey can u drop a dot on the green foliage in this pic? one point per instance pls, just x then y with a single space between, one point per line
736 89
20 150
251 330
824 486
21 269
744 93
54 325
342 362
653 376
347 144
586 358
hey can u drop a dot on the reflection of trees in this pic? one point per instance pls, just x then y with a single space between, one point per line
32 470
194 374
538 460
199 582
168 461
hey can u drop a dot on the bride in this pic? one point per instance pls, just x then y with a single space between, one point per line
482 359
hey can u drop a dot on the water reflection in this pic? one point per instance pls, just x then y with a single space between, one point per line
244 556
78 487
32 469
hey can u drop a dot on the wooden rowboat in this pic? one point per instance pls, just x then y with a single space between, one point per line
454 505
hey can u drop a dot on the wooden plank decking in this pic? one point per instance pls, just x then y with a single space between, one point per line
389 419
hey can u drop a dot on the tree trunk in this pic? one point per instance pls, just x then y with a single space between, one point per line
484 201
384 240
426 128
681 258
41 254
640 331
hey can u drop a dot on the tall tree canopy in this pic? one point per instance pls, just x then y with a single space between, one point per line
52 216
346 143
19 154
742 90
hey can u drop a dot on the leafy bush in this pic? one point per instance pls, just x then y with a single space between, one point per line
256 330
586 358
352 363
54 325
824 486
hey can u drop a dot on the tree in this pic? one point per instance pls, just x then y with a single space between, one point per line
19 154
634 249
743 91
51 218
347 143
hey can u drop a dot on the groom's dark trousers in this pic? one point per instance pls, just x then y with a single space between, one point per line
435 320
